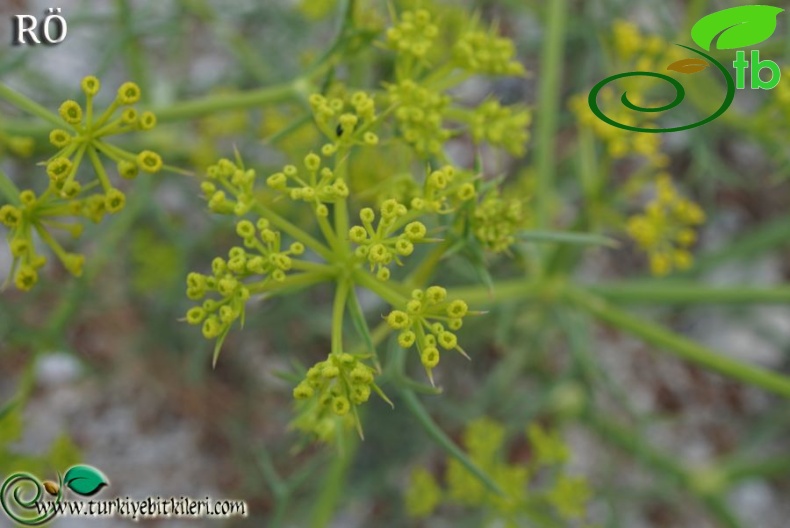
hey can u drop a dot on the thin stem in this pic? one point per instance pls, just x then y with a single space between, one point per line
424 419
378 287
221 102
341 206
328 232
504 291
680 346
99 168
134 52
338 310
688 292
291 283
550 90
424 270
9 189
28 105
775 466
333 485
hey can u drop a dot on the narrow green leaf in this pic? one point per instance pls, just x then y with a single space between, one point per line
569 237
430 427
8 189
381 394
739 27
218 347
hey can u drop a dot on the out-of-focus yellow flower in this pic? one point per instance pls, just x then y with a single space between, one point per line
666 228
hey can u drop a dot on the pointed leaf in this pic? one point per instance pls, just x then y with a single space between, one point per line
688 65
85 480
218 347
739 27
568 237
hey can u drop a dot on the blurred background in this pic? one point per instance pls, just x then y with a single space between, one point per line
107 374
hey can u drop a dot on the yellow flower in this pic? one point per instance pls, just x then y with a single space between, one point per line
666 229
423 494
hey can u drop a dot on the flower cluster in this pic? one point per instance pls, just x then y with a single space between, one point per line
487 53
484 440
419 95
422 322
265 261
501 126
666 229
31 216
380 245
443 189
631 45
420 114
413 35
84 136
18 145
636 52
319 187
333 388
228 178
345 123
497 220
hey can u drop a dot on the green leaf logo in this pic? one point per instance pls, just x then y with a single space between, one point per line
739 27
85 480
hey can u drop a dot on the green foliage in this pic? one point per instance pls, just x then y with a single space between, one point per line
386 196
556 502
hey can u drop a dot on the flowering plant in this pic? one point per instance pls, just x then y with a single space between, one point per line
419 229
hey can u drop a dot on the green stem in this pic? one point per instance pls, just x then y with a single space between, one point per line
9 189
424 270
341 206
333 485
378 287
504 291
338 310
292 282
328 232
688 292
550 90
775 466
680 346
28 105
424 419
306 265
234 101
134 54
